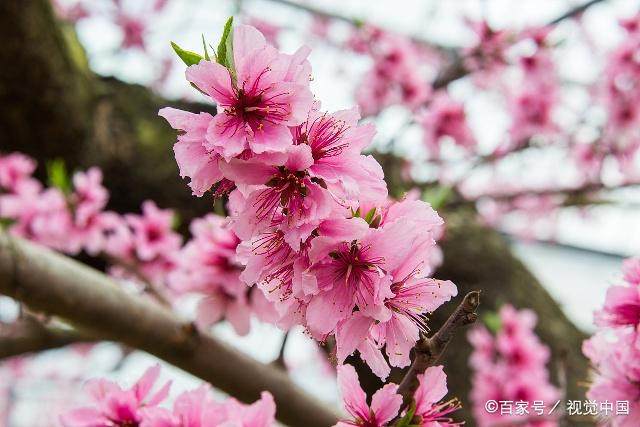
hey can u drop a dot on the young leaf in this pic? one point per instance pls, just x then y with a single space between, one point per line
223 47
369 216
206 50
437 196
492 321
188 57
57 175
408 417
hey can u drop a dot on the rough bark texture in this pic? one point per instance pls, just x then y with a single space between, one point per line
52 106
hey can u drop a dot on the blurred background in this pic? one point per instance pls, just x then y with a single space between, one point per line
562 191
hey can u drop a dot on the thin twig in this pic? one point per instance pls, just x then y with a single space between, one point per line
428 351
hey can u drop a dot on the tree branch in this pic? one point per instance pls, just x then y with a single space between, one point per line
456 69
572 194
54 284
429 350
30 336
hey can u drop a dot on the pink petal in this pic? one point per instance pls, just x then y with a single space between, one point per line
246 39
210 310
354 398
432 388
351 333
371 354
386 403
402 334
145 383
213 79
239 315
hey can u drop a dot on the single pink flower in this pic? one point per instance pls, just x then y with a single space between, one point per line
430 410
114 406
258 103
14 168
621 308
385 403
152 232
194 160
445 117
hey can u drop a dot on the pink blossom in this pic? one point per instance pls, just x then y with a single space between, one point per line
631 270
116 406
384 407
531 111
430 410
208 266
397 76
616 359
323 170
268 92
89 198
445 117
133 30
194 161
414 295
259 414
621 307
152 231
348 270
15 168
70 12
193 408
509 366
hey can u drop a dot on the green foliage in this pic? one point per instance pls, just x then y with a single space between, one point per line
437 196
57 175
406 421
492 321
176 221
224 55
5 223
188 57
369 216
206 50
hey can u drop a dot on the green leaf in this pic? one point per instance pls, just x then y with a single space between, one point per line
369 216
206 50
225 47
57 175
437 196
176 221
492 321
188 57
408 417
5 223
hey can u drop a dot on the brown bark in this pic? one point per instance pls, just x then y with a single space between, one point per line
29 335
57 285
430 351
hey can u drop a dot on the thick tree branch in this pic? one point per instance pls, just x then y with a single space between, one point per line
429 351
29 336
95 304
